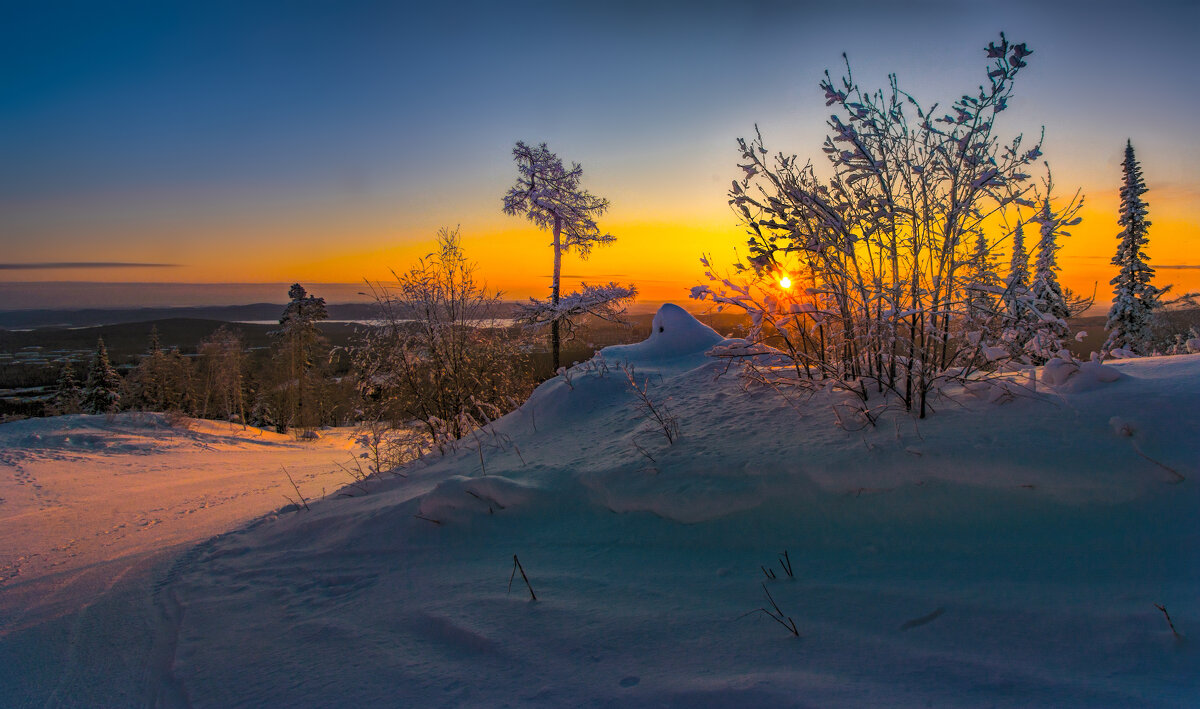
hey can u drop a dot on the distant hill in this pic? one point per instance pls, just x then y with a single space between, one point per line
24 319
125 341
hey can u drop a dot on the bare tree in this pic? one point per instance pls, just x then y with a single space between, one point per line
222 366
439 354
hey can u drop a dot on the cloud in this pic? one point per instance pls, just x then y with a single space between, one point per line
1177 265
54 265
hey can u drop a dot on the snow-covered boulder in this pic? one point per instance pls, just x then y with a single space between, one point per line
673 333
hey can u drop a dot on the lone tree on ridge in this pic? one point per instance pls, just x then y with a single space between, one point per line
550 196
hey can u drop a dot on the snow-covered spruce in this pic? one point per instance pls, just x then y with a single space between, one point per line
101 391
1135 299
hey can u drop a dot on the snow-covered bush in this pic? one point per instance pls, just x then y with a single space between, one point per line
879 276
438 354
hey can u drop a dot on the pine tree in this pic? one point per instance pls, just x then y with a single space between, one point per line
550 196
68 397
1134 299
983 285
1047 298
1021 320
100 394
299 345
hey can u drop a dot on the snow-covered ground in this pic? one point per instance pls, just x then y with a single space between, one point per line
1003 553
86 501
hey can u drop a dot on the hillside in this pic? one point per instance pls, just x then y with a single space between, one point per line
998 553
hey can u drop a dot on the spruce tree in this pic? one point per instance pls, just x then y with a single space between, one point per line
983 285
1134 300
1019 316
1048 299
68 397
101 393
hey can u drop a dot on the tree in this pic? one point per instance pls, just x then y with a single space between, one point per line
68 398
983 286
1019 318
1048 300
550 196
222 363
883 245
299 348
439 354
101 392
148 387
1135 300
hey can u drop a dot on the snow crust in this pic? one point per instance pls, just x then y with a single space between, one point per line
1006 551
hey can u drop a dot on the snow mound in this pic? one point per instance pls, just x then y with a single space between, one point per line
457 495
673 333
1078 376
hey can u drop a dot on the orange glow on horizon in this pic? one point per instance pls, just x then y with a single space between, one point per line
660 256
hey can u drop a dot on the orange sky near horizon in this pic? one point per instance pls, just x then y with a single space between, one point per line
661 257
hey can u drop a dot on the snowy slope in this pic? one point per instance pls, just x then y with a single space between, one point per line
89 503
994 554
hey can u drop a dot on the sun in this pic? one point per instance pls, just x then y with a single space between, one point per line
785 282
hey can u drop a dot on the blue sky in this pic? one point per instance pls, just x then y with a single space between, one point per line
326 141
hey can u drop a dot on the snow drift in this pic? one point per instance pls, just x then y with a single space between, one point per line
1007 551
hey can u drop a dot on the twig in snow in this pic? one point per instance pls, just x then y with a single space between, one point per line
1168 616
777 615
657 414
643 451
769 573
428 519
358 476
786 563
917 622
303 502
1179 476
517 567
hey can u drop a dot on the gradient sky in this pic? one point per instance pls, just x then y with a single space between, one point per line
327 142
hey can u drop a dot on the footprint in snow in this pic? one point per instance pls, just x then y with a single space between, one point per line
630 681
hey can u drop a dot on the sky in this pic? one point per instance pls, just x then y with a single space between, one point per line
327 142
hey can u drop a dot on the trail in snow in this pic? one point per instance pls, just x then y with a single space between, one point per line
83 493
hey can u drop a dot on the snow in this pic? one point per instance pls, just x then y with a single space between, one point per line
673 333
85 498
996 554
